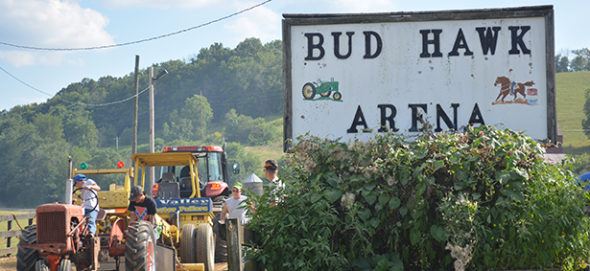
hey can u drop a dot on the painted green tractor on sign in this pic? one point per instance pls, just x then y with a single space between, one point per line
324 89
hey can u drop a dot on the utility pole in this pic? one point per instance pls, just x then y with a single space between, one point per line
152 128
134 147
161 74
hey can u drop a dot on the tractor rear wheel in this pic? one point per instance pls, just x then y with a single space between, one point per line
308 91
26 258
140 250
206 246
64 265
188 249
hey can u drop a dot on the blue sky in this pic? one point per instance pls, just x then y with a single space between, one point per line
89 23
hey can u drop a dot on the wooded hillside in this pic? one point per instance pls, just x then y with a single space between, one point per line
220 95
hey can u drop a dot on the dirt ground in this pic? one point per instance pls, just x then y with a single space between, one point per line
9 264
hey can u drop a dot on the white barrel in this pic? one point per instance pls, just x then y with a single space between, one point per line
253 187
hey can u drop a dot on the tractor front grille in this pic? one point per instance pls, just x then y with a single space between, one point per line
51 228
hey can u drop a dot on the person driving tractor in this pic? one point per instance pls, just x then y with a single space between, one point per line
89 199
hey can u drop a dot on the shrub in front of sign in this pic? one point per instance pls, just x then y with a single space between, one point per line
482 199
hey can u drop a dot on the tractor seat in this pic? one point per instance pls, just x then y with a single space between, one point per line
168 177
168 190
101 214
186 188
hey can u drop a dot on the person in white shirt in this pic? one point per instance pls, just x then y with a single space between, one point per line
89 199
235 207
271 178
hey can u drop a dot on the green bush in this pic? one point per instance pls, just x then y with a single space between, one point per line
479 200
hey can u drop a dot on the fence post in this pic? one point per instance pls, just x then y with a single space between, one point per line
234 244
8 228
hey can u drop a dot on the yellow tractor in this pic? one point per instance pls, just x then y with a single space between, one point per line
113 216
184 218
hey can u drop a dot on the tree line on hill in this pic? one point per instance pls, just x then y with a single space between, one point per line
581 62
220 95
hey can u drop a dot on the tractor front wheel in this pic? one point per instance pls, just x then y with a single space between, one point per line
140 250
308 91
206 246
337 96
41 265
64 265
26 258
188 249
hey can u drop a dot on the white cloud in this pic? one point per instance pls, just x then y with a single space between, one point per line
18 58
49 23
160 3
259 22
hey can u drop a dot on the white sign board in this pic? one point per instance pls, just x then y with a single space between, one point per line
353 75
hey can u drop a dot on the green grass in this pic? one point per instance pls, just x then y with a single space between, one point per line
570 98
274 151
4 226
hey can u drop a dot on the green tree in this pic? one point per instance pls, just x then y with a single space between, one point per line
49 126
561 63
198 110
179 128
80 130
246 130
579 63
582 59
33 161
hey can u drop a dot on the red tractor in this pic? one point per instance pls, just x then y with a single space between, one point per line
59 239
213 172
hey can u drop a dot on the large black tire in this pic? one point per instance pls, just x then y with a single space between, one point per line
27 257
206 246
308 91
140 247
220 242
188 249
41 265
64 265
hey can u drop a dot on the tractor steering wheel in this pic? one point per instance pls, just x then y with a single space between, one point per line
94 196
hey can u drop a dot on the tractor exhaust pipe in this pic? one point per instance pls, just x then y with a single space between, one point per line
69 183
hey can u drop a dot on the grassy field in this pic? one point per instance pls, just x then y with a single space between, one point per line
570 98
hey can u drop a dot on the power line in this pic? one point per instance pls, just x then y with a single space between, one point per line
137 41
24 83
70 102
